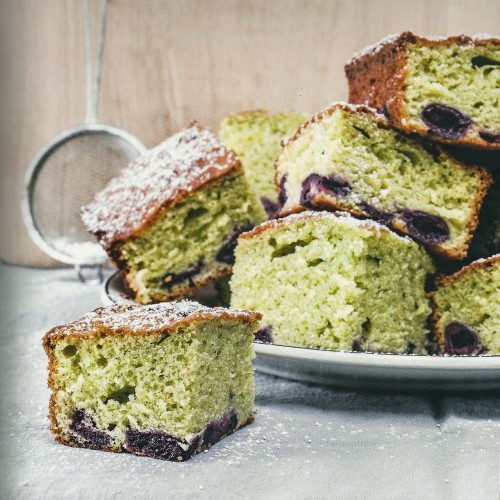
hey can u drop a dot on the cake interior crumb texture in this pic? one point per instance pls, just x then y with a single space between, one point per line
465 77
468 309
255 136
169 384
192 242
334 282
368 169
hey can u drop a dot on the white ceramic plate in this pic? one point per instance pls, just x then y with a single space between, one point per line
356 370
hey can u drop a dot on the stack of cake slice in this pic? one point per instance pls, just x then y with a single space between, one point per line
171 221
390 156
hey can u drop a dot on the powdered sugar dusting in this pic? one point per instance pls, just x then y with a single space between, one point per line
154 318
181 164
374 48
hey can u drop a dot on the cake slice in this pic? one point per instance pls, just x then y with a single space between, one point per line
170 220
447 89
255 136
164 381
467 309
331 281
349 158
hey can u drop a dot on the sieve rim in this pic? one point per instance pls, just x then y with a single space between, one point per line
34 169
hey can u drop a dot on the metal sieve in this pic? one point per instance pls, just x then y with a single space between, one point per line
68 171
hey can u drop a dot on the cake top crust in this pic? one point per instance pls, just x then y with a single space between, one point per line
156 180
345 106
258 113
493 261
398 41
249 113
165 318
344 217
383 122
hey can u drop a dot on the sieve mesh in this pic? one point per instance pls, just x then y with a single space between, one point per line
67 177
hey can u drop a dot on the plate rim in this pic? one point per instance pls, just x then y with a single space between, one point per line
380 360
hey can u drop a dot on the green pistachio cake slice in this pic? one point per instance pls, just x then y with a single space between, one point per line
467 309
256 136
164 381
331 281
170 220
446 89
348 158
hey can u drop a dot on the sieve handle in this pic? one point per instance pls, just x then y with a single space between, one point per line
93 81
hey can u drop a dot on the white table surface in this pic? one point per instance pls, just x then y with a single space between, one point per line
307 442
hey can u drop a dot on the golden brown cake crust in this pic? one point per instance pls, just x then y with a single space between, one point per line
485 180
132 320
308 214
477 264
155 182
376 77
